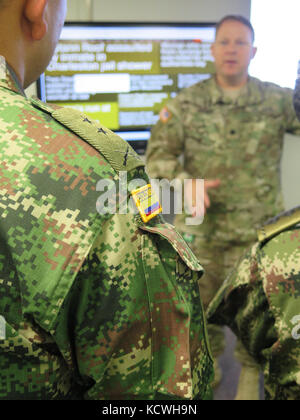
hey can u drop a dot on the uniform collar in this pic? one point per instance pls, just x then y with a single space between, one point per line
250 94
8 78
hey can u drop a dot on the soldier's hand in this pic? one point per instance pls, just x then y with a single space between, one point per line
208 184
191 198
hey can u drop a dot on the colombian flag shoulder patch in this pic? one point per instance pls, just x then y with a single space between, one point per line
147 202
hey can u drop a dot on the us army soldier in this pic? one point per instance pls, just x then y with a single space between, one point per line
266 284
230 131
93 305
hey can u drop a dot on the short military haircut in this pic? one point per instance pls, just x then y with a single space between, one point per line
236 18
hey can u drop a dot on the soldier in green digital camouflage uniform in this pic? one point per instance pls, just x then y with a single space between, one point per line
230 132
266 285
92 305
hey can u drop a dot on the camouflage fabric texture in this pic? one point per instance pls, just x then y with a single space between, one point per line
91 306
238 140
296 98
260 301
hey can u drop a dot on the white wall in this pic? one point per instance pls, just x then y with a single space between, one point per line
80 10
156 10
290 169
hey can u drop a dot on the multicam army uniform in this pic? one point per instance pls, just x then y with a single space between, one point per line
266 284
94 306
237 140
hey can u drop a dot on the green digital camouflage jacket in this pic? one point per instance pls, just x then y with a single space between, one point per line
238 141
260 301
95 306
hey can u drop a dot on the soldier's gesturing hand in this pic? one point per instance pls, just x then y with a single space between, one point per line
191 198
208 184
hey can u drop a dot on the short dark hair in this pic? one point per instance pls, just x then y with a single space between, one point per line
236 18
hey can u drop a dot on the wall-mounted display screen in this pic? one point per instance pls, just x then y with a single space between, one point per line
123 74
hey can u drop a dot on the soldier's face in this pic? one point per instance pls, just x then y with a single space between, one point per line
233 49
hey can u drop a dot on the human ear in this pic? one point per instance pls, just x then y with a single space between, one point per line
34 17
253 53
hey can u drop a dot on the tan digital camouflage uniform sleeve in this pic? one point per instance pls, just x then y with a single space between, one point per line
166 145
260 301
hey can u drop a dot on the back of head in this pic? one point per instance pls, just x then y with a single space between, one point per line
30 32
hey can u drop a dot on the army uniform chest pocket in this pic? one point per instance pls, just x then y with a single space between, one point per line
265 124
206 130
179 335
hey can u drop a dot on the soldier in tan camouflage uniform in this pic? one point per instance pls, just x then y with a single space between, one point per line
230 132
93 304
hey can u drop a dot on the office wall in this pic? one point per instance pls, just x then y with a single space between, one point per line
156 10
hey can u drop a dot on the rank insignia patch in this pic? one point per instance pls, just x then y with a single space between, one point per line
146 202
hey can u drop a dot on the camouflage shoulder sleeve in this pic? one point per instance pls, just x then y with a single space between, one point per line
139 327
292 121
48 225
279 224
260 301
118 153
242 305
280 267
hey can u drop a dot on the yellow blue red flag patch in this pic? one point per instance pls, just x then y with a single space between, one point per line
147 202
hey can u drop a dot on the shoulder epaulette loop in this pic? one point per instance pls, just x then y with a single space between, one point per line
279 224
117 151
